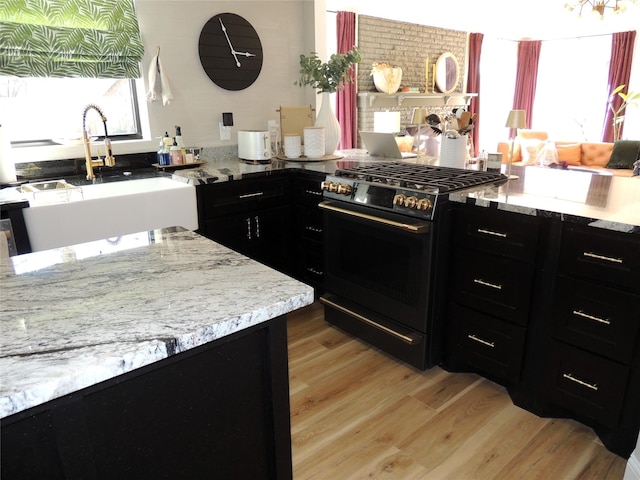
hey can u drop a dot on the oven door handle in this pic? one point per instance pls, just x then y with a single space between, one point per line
410 339
407 227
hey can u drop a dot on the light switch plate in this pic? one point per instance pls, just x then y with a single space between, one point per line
225 132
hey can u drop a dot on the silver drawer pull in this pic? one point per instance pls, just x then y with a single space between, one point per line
479 340
602 257
490 232
313 192
314 271
569 376
314 229
487 284
249 195
606 321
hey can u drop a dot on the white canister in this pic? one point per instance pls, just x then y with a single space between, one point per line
453 151
314 142
292 145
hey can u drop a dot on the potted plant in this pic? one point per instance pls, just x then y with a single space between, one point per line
386 78
330 76
327 78
628 98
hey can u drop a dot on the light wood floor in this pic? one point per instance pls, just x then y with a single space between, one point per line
357 413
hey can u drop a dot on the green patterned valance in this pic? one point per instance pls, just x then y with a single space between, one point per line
70 38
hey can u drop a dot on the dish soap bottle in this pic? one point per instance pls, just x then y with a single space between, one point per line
176 154
180 143
164 159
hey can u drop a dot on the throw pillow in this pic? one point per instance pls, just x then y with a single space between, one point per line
625 153
530 150
569 152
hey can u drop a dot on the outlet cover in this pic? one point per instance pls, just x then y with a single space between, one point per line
225 132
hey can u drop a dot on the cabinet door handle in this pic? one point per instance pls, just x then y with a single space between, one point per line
314 271
249 228
579 313
257 219
313 229
481 341
602 257
250 195
313 192
411 339
487 284
491 232
592 386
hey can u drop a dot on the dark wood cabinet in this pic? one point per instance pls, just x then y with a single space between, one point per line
492 272
308 229
251 216
591 368
218 411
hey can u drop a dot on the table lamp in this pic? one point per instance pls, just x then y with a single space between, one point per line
515 120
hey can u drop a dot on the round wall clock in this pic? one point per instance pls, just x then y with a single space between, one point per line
230 51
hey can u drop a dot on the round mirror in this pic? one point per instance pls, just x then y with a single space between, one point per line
447 72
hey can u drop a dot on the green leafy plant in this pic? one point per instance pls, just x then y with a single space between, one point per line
628 98
329 76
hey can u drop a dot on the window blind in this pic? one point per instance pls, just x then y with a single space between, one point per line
70 38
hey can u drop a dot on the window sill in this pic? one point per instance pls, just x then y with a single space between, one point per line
62 152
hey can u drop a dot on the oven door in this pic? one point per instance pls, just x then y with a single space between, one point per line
379 261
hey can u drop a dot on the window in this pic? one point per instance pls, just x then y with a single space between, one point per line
49 110
571 91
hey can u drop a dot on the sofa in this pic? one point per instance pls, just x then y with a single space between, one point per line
590 155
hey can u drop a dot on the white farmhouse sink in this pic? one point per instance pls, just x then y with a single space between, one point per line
112 209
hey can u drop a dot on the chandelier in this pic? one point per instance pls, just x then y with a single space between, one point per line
598 6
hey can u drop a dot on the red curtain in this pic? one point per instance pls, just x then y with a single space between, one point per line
526 77
619 74
346 99
473 82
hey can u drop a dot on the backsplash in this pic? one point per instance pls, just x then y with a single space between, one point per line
409 46
57 169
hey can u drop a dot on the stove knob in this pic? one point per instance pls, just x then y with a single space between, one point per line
411 202
325 185
344 189
332 187
399 200
425 204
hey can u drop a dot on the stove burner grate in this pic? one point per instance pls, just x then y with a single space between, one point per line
427 178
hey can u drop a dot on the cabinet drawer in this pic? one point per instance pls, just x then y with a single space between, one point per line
586 384
495 285
599 319
306 189
309 223
500 233
244 195
492 345
603 255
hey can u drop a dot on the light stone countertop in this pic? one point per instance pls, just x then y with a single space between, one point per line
75 316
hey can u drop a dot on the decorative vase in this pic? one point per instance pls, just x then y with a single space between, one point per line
387 80
327 119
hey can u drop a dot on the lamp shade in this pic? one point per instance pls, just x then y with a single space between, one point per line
419 116
516 119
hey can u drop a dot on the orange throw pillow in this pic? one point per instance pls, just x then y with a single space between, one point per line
570 153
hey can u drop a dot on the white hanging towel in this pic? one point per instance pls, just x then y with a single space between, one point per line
155 68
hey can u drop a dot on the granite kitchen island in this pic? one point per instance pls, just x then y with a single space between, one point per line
152 355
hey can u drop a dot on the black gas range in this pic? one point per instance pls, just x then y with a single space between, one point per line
386 241
403 188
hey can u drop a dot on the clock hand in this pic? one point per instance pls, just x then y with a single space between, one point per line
233 52
246 54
